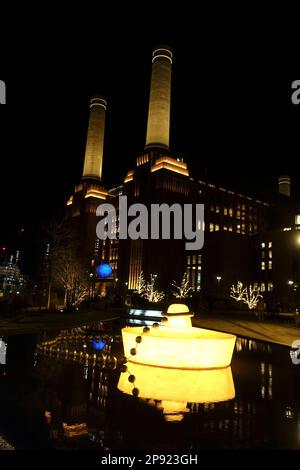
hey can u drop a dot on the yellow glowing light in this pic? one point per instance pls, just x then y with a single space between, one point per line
96 194
163 54
74 430
70 201
129 176
172 161
182 316
98 104
142 159
78 188
171 164
48 416
177 344
177 387
178 308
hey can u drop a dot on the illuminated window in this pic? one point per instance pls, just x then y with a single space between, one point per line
198 280
194 259
270 245
217 227
238 214
135 263
297 219
270 254
263 255
211 227
263 245
225 228
136 189
199 259
230 212
270 286
230 228
217 209
270 265
263 265
193 279
189 259
263 287
225 211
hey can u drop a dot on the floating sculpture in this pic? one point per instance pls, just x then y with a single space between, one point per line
176 344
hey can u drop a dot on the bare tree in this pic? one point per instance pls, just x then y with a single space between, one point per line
57 235
182 290
65 271
141 284
249 295
150 293
238 292
70 275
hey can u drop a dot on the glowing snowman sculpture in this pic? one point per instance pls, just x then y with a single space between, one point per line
177 344
178 364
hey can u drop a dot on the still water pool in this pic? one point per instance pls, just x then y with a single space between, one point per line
65 390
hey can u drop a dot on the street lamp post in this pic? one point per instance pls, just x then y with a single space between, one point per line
291 284
91 285
219 279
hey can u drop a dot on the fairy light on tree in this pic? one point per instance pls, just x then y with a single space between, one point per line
249 295
151 293
182 290
238 292
141 284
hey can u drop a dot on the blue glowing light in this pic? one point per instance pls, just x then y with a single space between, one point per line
98 345
104 270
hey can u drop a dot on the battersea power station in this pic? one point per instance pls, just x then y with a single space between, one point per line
245 239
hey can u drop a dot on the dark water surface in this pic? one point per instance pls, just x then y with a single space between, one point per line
60 391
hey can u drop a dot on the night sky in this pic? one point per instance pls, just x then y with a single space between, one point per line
232 115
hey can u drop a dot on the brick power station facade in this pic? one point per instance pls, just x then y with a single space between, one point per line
246 239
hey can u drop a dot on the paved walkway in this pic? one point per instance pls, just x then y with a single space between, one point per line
249 328
36 323
241 324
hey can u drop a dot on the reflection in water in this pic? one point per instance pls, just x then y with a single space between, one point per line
85 359
62 391
173 389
